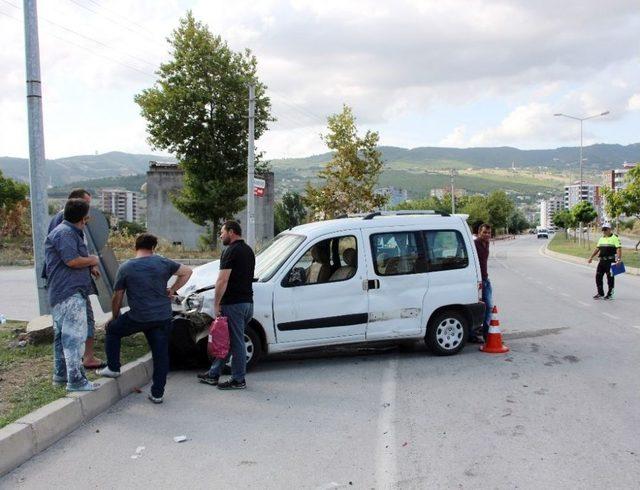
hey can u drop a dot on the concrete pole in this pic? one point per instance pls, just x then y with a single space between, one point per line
37 181
453 195
251 208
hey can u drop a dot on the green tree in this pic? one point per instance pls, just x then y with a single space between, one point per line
615 204
289 212
13 207
351 175
499 207
476 208
584 214
197 110
428 203
516 222
563 219
130 227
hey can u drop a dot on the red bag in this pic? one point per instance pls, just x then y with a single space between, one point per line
218 345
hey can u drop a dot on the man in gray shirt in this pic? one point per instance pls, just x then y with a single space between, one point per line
69 267
144 279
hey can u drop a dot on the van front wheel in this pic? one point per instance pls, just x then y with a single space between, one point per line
447 333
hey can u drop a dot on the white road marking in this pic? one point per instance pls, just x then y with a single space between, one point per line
611 316
386 457
583 303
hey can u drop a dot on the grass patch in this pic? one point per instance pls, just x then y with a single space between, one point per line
561 244
25 372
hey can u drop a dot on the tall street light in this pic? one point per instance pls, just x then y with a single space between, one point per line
581 119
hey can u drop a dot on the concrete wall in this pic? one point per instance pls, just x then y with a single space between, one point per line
165 221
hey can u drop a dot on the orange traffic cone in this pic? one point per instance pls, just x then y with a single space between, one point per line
493 343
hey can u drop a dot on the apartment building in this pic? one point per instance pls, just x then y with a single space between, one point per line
549 207
120 203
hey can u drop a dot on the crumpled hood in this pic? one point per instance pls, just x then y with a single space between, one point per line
204 276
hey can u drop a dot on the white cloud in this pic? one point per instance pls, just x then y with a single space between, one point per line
387 61
523 126
634 103
455 138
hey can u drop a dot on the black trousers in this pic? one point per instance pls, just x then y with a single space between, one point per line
604 267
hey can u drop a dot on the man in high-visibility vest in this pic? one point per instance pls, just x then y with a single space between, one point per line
609 251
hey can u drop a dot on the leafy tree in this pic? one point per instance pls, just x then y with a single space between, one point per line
351 175
499 207
428 203
563 219
131 227
614 203
516 222
13 207
584 214
476 208
197 110
289 212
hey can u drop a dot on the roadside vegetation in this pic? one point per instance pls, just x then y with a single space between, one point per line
26 369
566 244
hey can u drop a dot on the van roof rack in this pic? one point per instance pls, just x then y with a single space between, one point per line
404 212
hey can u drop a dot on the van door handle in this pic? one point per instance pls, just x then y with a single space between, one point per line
371 284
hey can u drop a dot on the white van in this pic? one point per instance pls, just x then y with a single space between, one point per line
542 232
379 277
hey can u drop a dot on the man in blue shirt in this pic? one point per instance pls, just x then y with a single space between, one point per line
89 360
144 279
69 267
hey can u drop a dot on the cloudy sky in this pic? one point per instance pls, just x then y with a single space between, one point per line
421 72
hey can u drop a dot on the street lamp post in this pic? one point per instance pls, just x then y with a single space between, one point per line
581 119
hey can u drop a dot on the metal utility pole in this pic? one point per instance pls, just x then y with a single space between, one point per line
37 179
251 219
452 174
582 120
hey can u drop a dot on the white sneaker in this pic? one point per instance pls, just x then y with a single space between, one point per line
154 399
107 373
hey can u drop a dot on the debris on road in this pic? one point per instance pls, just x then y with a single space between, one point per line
180 438
138 453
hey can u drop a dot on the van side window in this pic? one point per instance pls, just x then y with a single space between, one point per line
445 250
331 260
397 254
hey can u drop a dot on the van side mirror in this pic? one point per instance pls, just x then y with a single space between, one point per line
296 277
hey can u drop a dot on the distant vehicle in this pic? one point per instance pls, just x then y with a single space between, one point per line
542 233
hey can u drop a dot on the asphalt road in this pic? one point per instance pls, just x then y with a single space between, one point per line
560 410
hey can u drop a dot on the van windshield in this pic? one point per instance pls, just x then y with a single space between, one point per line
277 252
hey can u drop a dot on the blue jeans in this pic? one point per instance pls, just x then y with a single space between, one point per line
487 299
157 334
238 316
69 336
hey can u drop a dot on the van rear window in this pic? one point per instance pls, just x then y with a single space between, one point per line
446 250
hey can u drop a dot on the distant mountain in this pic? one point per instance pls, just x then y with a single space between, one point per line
63 171
599 157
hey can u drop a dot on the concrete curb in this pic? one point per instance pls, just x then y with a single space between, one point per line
579 260
41 428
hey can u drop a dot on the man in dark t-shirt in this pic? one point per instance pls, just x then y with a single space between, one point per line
234 300
144 279
482 248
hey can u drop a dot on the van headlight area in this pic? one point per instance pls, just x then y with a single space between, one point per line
193 303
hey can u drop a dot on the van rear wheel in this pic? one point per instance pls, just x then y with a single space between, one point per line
447 333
